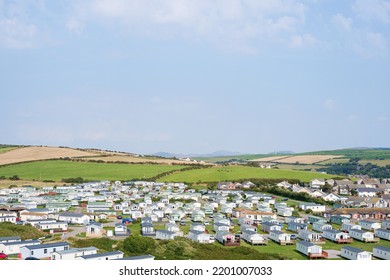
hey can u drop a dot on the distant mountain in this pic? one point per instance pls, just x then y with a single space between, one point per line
220 153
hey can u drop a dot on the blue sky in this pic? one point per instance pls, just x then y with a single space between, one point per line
195 76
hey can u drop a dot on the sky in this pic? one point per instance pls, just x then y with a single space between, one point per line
195 76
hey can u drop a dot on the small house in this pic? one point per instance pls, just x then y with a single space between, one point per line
248 227
386 224
352 253
228 239
254 238
336 236
268 227
10 239
381 252
43 250
165 234
296 227
320 227
73 254
281 237
103 256
310 236
316 219
74 218
339 220
382 233
365 236
121 230
13 248
94 229
311 250
369 225
220 227
147 229
197 227
200 236
348 226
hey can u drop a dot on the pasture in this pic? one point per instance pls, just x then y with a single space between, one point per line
56 170
240 173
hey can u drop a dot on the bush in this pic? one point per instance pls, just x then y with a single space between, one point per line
138 244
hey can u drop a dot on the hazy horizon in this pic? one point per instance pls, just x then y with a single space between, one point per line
195 76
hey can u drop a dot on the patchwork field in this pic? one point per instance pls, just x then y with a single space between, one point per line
134 159
40 153
302 159
57 169
239 173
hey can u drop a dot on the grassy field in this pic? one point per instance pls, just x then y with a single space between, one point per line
57 169
6 149
376 162
239 173
236 157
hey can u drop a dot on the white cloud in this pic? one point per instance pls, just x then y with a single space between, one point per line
303 41
75 26
374 10
228 24
342 22
329 104
16 34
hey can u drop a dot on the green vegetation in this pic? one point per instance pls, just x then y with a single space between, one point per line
25 232
184 249
240 173
105 244
362 153
4 149
237 157
59 169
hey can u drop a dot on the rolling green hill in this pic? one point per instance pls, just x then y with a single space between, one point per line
240 173
56 170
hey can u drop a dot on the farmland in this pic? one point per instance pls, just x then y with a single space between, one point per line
57 169
232 173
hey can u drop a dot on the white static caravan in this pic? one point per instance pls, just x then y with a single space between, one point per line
220 227
248 228
74 218
296 227
200 236
268 227
336 236
281 237
43 250
320 227
10 239
197 227
386 224
10 219
55 226
254 238
228 239
104 256
309 249
369 225
348 226
11 248
365 236
165 234
381 252
310 236
382 233
284 211
73 254
352 253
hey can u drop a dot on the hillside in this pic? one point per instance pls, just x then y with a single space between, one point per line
13 154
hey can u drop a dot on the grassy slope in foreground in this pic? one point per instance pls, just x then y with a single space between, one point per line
58 169
240 173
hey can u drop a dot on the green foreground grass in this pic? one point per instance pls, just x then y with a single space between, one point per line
56 170
240 173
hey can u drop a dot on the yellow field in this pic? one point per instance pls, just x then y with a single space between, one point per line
40 153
